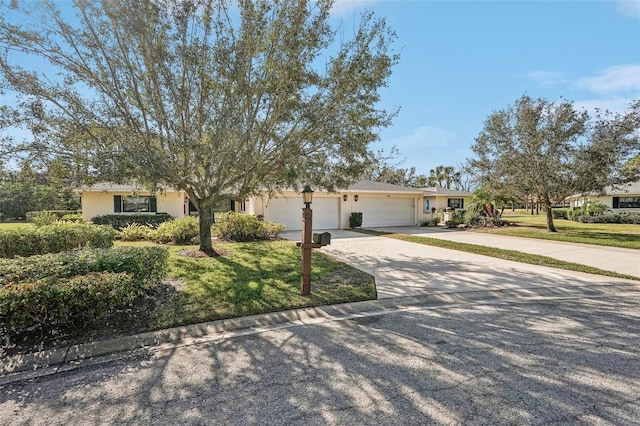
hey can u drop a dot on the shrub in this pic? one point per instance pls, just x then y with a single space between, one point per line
179 231
147 264
621 217
58 304
355 220
44 218
77 218
560 213
134 232
245 227
456 218
119 221
53 239
271 230
59 213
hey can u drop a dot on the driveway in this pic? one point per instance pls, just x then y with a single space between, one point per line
408 269
621 260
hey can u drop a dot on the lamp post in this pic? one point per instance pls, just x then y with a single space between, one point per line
305 282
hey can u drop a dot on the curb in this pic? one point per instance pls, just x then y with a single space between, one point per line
37 364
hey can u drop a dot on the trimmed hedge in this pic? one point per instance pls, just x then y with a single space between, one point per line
355 220
58 304
560 213
245 227
119 221
53 239
55 291
147 264
632 218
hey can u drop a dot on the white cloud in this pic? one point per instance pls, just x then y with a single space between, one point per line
614 104
615 79
547 78
422 138
630 7
347 7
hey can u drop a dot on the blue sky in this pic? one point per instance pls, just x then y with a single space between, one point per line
462 60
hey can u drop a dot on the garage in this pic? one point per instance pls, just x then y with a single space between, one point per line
386 211
288 211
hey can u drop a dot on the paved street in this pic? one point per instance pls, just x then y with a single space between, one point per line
549 361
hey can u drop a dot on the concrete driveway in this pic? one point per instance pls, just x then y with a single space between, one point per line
408 269
621 260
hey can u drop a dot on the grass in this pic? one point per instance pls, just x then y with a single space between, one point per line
253 278
603 234
513 255
15 225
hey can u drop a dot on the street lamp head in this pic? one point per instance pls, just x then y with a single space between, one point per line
307 196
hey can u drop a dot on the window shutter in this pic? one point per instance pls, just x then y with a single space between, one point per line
117 203
153 204
616 202
462 203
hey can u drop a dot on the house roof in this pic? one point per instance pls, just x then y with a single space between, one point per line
626 189
435 190
630 188
367 185
115 187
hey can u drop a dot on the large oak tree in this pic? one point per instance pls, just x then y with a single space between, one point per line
219 98
548 151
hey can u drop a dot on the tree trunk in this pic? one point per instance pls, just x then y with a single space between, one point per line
205 221
550 226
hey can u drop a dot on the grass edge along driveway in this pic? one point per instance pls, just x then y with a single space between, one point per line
513 255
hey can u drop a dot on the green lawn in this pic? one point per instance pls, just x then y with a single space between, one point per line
14 225
535 226
253 278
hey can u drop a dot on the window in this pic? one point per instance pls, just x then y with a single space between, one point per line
134 204
455 203
626 202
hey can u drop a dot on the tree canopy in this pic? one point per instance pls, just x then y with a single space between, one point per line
219 98
546 150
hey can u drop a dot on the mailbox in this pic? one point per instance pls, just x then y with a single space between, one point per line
323 239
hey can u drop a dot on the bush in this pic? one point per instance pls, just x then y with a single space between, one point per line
58 213
355 220
147 264
44 218
245 227
119 221
134 232
621 217
179 231
77 218
59 304
53 239
457 218
560 213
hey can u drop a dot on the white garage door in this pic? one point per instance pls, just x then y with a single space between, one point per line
289 212
386 211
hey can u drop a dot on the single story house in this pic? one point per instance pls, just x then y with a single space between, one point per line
109 198
623 198
381 204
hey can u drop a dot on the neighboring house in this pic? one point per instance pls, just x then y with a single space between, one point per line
623 198
381 204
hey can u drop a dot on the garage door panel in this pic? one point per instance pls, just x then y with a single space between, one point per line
288 211
386 211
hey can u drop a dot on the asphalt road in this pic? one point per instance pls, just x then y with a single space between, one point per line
548 361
